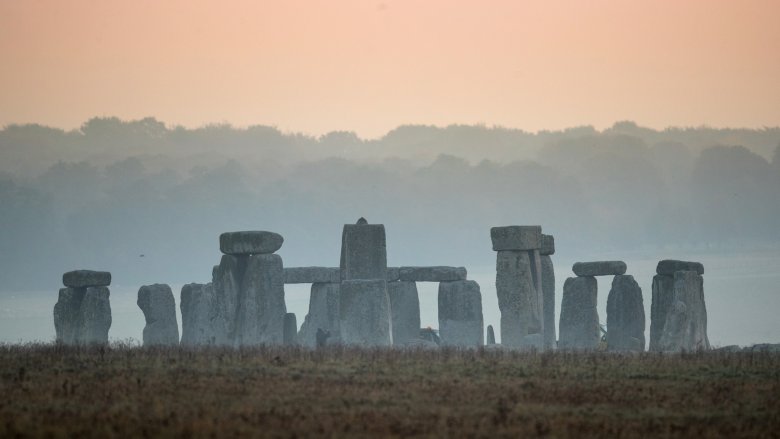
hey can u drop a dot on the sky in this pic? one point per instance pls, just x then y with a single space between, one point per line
369 66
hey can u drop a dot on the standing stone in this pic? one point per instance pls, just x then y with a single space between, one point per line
290 329
686 322
67 315
579 325
199 312
491 335
460 314
518 299
404 310
663 298
323 314
250 242
548 299
599 268
227 282
260 315
95 316
363 252
159 308
625 315
365 312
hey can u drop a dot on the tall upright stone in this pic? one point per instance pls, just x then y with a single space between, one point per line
199 314
491 335
260 316
460 314
404 310
95 316
686 322
518 300
579 325
290 329
227 284
67 315
365 312
548 290
159 308
82 314
364 303
323 315
625 315
664 296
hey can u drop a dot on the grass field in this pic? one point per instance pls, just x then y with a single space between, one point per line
55 391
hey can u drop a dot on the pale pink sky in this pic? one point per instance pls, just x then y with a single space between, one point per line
368 66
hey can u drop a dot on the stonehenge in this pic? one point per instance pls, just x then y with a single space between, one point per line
159 308
678 319
82 314
323 315
198 306
404 311
579 323
519 283
460 314
625 315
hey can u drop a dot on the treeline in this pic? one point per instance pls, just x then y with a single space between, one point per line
147 202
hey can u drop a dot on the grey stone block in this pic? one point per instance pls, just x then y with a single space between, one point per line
548 245
404 310
363 252
199 314
95 316
67 315
460 314
670 266
625 315
491 335
312 275
432 274
579 324
662 300
516 237
393 274
290 336
518 299
686 322
159 308
599 268
323 314
365 312
262 308
227 284
548 299
250 242
86 278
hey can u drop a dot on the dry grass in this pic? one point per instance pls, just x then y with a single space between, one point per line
122 391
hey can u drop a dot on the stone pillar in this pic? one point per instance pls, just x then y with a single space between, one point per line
82 314
519 283
290 329
460 314
686 322
323 314
625 315
159 308
405 311
548 290
663 295
198 305
364 303
491 335
579 325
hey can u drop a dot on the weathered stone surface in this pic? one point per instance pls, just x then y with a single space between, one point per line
663 297
393 274
432 274
670 266
323 315
548 245
95 316
363 252
579 325
686 322
460 314
311 275
199 314
250 242
365 312
227 284
599 268
261 308
548 301
625 315
67 315
404 311
518 299
516 238
290 329
491 335
86 278
159 308
533 342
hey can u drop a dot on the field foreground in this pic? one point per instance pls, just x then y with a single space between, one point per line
119 391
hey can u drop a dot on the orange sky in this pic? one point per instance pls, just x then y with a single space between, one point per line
368 66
